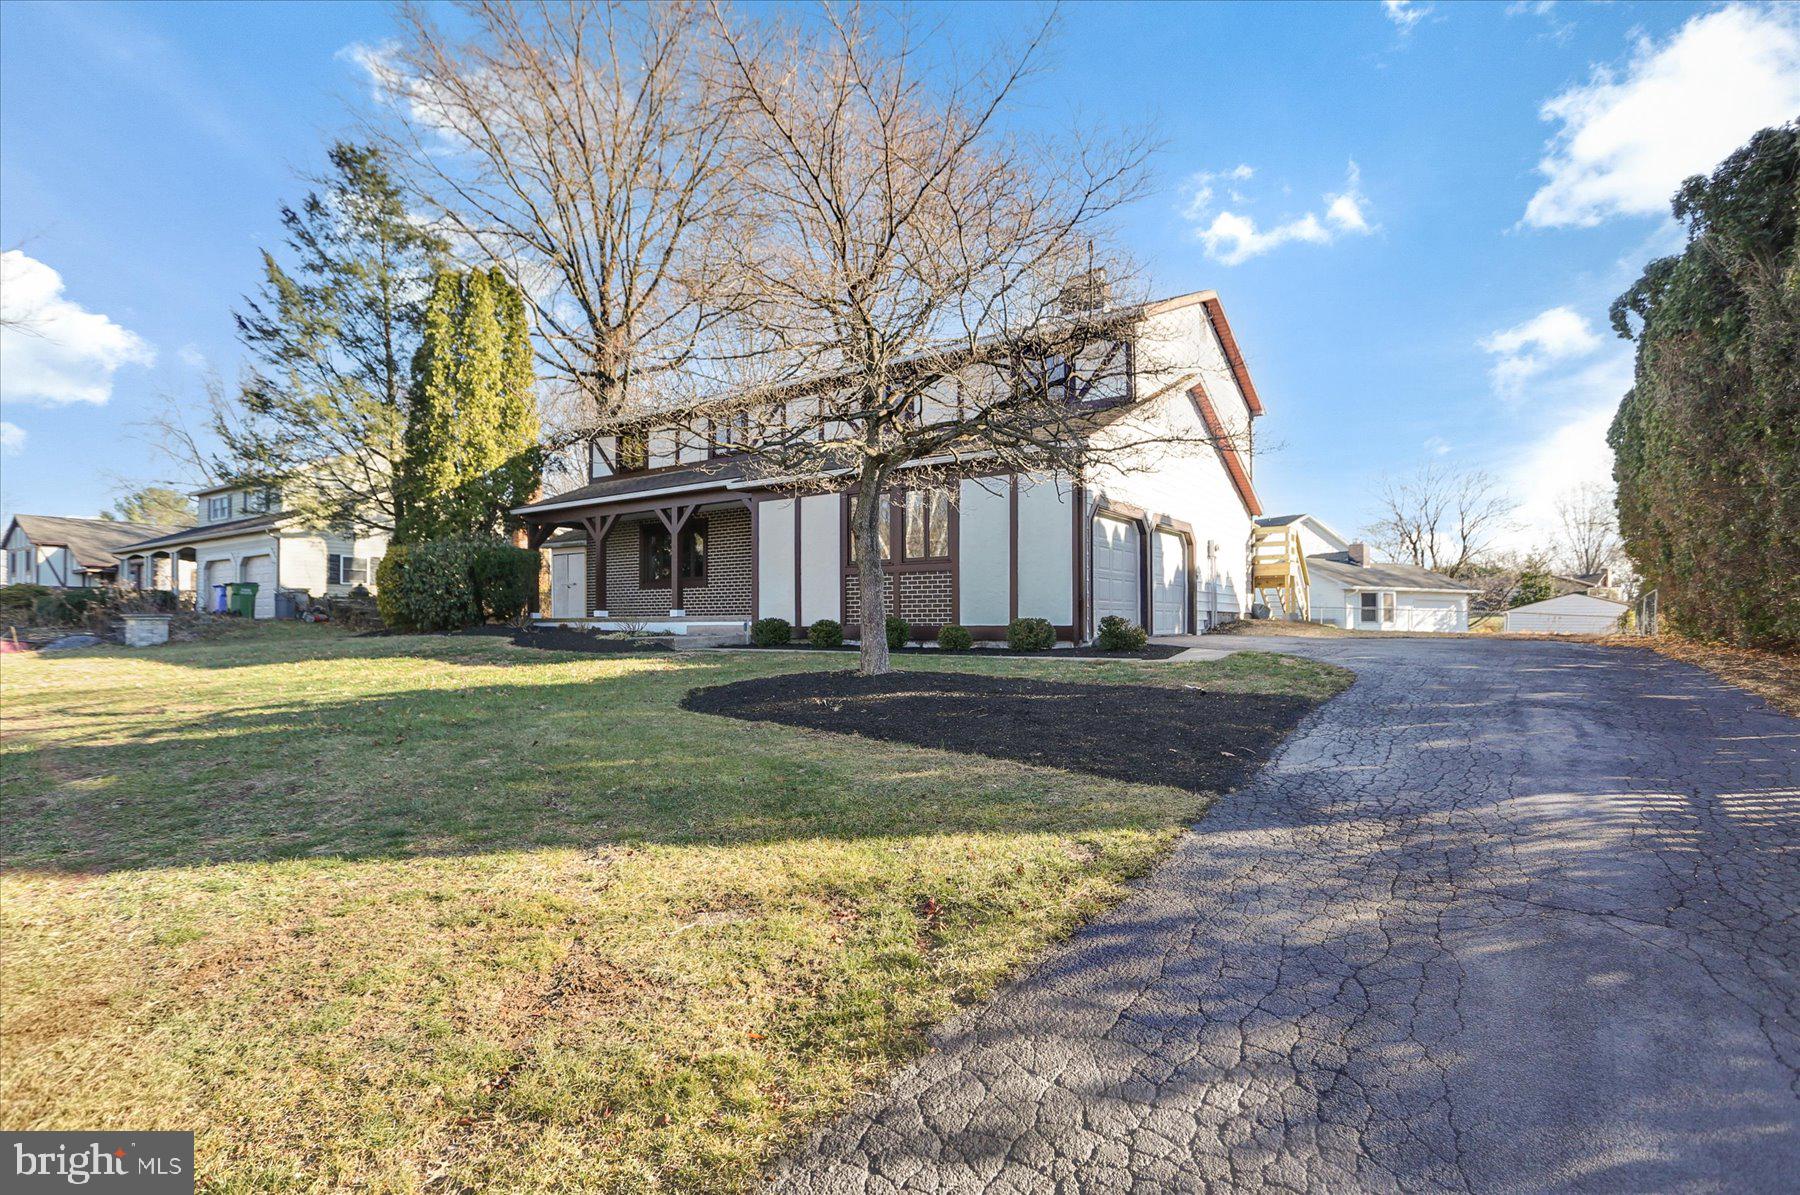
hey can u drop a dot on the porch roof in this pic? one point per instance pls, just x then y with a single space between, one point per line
204 531
649 483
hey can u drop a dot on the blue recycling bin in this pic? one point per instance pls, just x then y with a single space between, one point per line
219 600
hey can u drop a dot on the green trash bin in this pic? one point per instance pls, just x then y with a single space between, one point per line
242 597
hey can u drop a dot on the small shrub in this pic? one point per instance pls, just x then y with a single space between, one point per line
771 632
898 632
954 638
1030 634
827 632
390 585
71 607
505 578
18 599
1121 634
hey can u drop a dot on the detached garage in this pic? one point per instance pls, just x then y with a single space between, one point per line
1352 589
1570 614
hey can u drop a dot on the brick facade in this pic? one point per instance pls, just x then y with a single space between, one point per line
925 598
724 594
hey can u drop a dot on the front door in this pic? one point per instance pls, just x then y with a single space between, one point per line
568 585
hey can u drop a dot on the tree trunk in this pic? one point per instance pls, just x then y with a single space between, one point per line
865 531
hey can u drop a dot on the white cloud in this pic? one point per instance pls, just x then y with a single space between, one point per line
12 439
1628 140
1525 351
1571 452
1438 446
1406 13
191 356
52 350
1232 237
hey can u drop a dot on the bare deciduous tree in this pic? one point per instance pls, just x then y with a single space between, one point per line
586 148
926 294
1588 540
1441 518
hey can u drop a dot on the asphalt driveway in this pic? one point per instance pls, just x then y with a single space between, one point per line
1506 916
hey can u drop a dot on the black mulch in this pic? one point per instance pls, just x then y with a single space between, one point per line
1151 734
1150 651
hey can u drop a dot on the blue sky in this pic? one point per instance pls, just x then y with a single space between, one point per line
1415 214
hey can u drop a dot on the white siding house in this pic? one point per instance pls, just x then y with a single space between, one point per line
1570 614
666 536
244 535
1350 589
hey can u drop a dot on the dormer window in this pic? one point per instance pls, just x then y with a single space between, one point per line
218 508
634 450
258 501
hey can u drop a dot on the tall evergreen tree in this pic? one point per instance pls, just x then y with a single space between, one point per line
471 435
331 332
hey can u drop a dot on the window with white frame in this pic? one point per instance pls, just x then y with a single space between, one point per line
350 570
1377 608
218 508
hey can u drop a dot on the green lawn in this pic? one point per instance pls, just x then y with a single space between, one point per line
401 913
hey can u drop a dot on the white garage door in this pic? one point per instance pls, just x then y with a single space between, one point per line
568 584
260 569
1116 570
1430 614
218 572
1169 571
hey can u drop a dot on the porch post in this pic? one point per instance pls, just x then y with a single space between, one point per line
674 518
597 528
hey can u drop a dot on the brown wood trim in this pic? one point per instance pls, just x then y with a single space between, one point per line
755 557
1012 547
1215 316
1234 465
897 536
1077 502
954 508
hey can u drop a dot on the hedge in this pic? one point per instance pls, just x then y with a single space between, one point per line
447 584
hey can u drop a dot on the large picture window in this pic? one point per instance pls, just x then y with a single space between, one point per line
917 521
655 560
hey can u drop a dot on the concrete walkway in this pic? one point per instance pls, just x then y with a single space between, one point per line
1506 916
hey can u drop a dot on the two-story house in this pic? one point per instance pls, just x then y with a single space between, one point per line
245 535
675 531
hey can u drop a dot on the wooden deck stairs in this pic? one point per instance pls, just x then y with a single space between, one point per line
1278 576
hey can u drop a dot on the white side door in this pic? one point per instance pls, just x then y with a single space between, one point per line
260 569
568 585
1117 552
1169 571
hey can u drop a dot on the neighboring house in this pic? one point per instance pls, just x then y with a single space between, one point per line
1351 589
66 553
1568 614
1315 536
676 531
244 535
1601 584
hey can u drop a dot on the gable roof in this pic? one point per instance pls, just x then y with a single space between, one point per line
1336 566
1320 526
1228 453
94 543
1565 601
1215 316
202 531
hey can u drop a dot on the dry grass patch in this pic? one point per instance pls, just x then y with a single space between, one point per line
426 913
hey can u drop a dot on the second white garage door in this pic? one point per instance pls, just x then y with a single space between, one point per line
260 569
1169 570
1117 571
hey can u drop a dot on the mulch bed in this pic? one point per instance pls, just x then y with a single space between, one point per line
566 639
1151 651
1181 736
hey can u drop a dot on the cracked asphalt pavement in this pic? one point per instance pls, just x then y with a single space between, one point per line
1505 916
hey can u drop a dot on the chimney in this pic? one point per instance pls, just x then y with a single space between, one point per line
1359 554
1088 291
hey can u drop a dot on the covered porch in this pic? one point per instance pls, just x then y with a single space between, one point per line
684 564
171 568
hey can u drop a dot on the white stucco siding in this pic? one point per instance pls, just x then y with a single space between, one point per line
1177 345
1187 484
821 570
1046 572
775 558
984 555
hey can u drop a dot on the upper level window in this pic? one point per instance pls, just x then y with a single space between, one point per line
218 508
731 434
634 450
258 501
